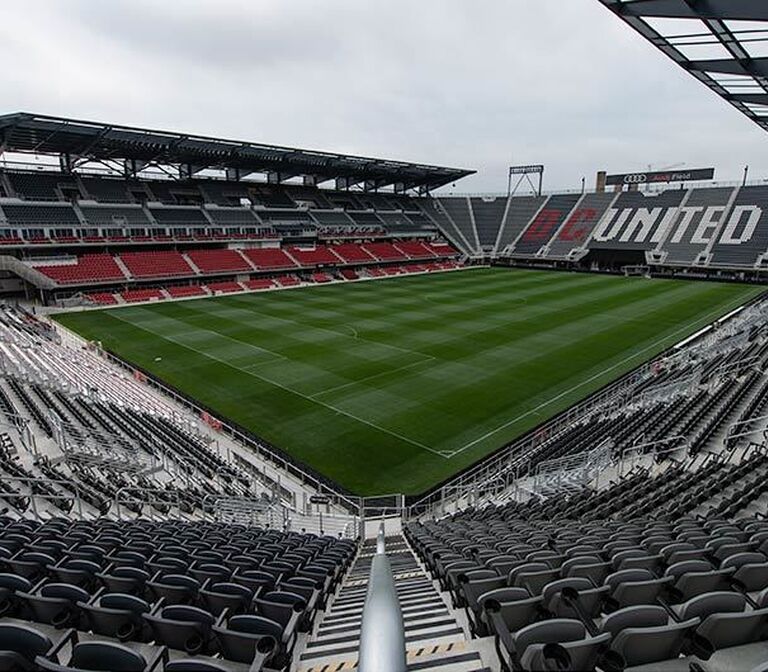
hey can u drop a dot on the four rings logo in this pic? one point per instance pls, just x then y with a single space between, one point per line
639 178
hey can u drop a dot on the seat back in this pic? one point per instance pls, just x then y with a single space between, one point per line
24 640
724 630
106 657
182 627
645 645
707 604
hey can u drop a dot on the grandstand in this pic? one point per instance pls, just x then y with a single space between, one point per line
504 433
145 437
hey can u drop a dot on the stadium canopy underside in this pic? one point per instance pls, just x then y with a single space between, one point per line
723 43
182 155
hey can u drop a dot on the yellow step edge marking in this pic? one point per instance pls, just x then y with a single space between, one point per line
456 647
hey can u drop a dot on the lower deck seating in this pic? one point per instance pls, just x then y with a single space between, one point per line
219 261
269 258
442 249
612 579
287 280
112 594
156 264
313 256
87 268
415 249
185 291
384 251
135 295
102 298
224 287
322 277
353 253
259 283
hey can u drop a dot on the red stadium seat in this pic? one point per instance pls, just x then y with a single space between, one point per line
287 281
224 287
415 249
185 291
352 253
102 298
322 277
315 256
259 283
219 261
156 264
269 258
88 268
384 251
135 295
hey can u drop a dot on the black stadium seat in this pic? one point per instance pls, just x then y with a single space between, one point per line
20 645
97 657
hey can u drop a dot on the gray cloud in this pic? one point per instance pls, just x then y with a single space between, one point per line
474 84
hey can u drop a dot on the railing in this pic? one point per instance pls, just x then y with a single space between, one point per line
98 447
259 449
572 471
161 502
746 427
506 464
382 634
70 491
650 449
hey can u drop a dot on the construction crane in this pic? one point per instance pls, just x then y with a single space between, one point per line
662 169
672 167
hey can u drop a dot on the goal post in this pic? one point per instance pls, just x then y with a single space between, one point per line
636 271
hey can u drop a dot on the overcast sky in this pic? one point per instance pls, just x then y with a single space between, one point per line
468 83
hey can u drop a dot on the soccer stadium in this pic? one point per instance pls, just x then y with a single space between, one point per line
284 409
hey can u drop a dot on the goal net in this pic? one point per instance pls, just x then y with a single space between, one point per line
636 271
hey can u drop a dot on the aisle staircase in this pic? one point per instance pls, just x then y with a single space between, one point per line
434 639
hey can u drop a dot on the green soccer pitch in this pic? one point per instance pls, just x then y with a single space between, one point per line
394 385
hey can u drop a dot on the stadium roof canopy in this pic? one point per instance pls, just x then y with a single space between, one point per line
78 142
723 43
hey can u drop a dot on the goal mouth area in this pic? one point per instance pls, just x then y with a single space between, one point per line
636 271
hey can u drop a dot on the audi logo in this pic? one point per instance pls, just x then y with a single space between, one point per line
639 178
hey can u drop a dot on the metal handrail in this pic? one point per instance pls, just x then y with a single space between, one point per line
382 634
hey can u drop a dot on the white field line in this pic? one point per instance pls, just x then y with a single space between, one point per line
586 381
284 387
372 377
276 355
305 325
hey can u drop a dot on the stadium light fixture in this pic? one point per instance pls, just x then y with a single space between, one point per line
523 174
